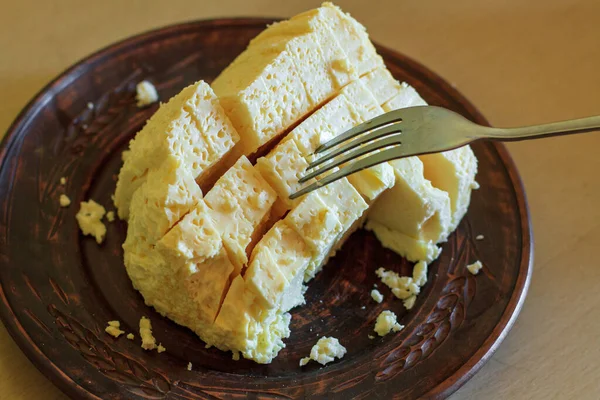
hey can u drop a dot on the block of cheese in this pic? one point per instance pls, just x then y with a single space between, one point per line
413 208
191 129
240 203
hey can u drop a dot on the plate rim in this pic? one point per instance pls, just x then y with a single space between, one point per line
444 389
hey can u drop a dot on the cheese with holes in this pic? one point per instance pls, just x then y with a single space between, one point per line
191 131
215 244
240 204
413 216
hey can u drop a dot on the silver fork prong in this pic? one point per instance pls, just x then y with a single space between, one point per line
386 130
354 154
367 162
384 119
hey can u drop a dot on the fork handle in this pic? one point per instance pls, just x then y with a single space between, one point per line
579 125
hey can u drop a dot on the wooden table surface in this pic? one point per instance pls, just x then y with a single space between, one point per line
520 62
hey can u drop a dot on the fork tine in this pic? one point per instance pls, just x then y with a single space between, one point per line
378 144
377 158
376 122
368 137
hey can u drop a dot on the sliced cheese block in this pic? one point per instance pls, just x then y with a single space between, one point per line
191 128
412 207
167 195
240 205
276 269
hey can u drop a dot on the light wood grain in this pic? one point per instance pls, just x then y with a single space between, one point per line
520 62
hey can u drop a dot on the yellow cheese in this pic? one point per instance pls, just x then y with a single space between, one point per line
276 269
194 248
325 351
454 172
317 223
256 332
282 168
191 130
407 96
262 95
240 204
382 84
414 209
351 36
164 198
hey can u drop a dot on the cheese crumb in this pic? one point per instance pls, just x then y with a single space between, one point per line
386 323
189 366
475 267
479 237
63 181
113 328
410 302
371 336
145 94
148 340
64 200
160 348
235 355
325 351
420 273
376 295
402 286
89 218
130 336
110 216
90 105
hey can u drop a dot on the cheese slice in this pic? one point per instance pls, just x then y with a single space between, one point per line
382 85
454 172
195 244
276 269
244 326
165 197
262 95
282 168
191 129
240 205
414 209
351 35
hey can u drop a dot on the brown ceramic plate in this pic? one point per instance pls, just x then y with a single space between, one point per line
58 289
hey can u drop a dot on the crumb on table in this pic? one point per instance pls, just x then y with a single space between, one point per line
145 93
110 216
63 181
89 219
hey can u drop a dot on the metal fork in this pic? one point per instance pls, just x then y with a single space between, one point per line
415 131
